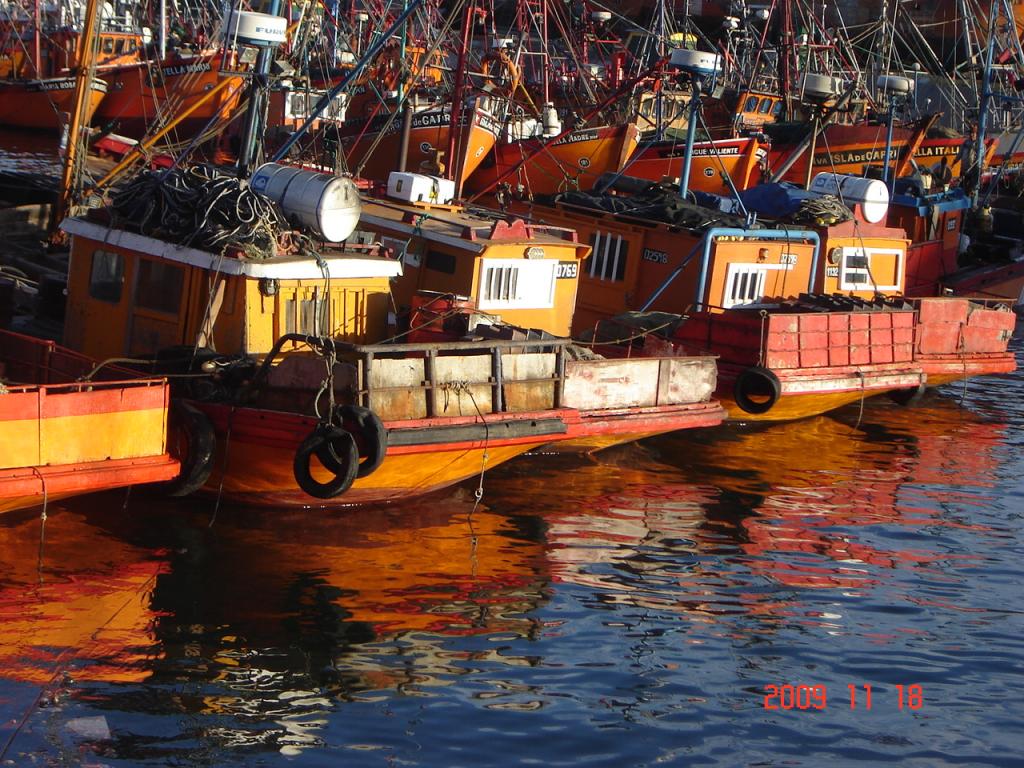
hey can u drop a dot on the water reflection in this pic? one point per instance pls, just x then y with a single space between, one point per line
81 595
269 620
806 496
654 588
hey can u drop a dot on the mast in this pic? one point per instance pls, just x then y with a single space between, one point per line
325 100
458 89
37 48
983 105
84 74
255 117
785 60
162 39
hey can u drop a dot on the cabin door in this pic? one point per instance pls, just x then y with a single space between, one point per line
157 313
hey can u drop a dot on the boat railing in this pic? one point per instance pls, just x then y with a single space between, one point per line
438 371
41 361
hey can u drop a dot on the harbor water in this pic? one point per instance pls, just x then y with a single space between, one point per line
843 590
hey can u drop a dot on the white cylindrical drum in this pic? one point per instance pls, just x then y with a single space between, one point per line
328 205
871 194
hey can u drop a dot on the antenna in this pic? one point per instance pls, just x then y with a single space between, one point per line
698 68
818 91
897 88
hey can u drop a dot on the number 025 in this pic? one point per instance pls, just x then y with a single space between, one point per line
795 697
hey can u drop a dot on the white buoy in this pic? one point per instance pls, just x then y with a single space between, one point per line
870 194
328 205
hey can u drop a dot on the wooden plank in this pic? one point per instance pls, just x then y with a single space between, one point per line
463 385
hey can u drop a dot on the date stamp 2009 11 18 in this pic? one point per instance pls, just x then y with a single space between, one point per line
816 696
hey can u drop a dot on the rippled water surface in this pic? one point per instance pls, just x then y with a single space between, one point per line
29 151
624 610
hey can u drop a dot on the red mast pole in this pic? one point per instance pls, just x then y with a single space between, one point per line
37 50
458 89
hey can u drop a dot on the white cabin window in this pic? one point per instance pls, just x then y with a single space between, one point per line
517 283
855 269
608 256
745 283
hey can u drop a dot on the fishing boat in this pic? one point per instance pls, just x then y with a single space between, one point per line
301 376
535 166
63 433
563 119
804 318
374 146
714 165
39 55
143 96
41 103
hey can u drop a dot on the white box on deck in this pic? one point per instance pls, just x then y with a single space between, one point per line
420 188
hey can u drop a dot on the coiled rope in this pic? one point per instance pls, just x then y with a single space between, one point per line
200 207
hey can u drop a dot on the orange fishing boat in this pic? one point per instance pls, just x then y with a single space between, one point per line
793 314
37 82
62 437
742 160
143 96
849 149
372 146
398 419
43 103
575 161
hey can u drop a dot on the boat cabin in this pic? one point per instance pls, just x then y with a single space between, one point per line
58 55
637 263
933 220
509 272
862 260
129 294
755 109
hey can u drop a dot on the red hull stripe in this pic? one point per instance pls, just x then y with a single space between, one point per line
86 477
57 401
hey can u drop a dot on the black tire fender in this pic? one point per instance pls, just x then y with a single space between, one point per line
372 434
757 381
336 449
200 447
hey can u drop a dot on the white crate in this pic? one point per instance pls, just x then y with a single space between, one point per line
420 188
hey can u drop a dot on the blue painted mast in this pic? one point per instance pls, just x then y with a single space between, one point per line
697 66
983 104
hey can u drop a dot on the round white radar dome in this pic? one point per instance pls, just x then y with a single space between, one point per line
895 84
870 194
820 87
256 29
329 206
695 62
